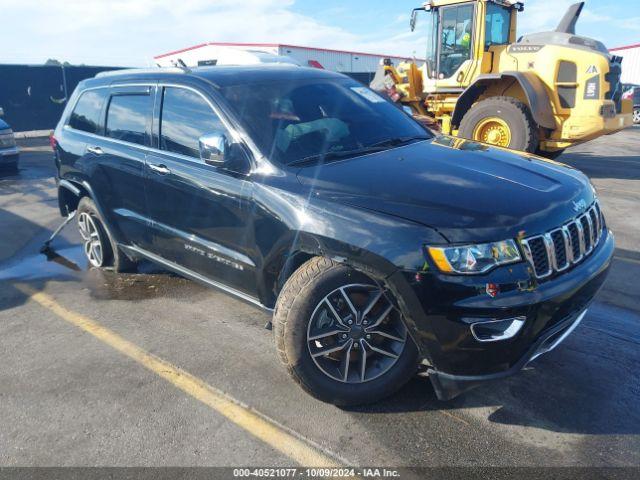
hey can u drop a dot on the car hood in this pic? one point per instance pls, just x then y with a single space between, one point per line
465 190
3 125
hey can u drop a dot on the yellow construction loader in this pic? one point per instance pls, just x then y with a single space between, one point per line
541 93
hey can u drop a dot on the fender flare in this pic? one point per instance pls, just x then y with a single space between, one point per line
532 86
81 187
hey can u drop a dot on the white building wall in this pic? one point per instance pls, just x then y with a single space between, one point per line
630 64
334 60
338 61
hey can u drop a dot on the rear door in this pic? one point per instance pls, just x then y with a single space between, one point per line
85 123
116 161
200 213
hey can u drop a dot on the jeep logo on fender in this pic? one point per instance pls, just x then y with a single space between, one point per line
525 48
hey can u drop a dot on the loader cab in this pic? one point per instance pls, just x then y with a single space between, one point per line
461 36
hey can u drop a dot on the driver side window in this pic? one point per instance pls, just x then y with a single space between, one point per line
185 117
457 34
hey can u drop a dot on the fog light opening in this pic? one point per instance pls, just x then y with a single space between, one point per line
496 330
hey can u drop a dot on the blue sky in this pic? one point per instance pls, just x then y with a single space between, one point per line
131 32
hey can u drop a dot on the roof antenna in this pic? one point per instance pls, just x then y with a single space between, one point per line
181 65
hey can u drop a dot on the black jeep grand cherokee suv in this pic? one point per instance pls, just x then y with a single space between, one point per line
379 247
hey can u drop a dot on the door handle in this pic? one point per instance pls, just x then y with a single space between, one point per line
161 169
95 150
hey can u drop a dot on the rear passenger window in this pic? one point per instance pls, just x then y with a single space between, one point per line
86 115
128 117
186 117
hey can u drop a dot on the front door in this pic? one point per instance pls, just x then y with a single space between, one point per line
200 213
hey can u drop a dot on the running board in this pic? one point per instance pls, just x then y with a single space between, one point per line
190 274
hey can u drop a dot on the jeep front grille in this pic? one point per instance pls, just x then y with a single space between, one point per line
559 249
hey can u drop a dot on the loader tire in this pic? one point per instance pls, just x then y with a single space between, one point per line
501 121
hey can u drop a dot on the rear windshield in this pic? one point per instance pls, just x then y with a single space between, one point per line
290 121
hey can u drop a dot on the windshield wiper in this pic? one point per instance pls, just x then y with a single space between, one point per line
373 148
337 155
398 141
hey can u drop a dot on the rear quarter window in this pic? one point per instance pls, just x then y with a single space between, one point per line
87 114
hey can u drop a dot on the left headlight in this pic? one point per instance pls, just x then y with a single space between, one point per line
470 259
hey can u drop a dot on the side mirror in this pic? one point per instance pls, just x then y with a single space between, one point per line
213 148
414 19
414 15
1 112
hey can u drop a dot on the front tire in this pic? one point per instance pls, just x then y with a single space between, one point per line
636 116
501 121
341 336
98 243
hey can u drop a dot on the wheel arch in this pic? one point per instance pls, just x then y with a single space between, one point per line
71 191
537 98
294 250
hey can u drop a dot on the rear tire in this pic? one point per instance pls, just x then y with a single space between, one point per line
303 323
522 130
99 245
636 116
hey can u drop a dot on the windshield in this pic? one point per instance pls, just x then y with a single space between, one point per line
294 121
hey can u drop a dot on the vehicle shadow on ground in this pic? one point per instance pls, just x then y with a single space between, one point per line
559 393
625 167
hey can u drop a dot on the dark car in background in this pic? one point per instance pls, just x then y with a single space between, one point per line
379 248
633 92
9 152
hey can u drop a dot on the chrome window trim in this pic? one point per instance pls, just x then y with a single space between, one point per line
236 135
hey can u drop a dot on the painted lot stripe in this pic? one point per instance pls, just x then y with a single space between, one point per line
303 451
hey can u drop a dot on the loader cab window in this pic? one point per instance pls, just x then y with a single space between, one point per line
498 24
456 38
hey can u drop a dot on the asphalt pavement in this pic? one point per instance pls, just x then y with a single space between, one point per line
151 369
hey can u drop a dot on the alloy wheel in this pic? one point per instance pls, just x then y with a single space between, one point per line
356 333
92 241
636 116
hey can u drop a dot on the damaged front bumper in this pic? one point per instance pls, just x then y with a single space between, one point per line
449 386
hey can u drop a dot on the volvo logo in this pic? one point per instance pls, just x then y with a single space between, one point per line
579 206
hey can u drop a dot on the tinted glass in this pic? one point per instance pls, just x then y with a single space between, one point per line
86 114
128 117
186 117
294 120
457 24
498 25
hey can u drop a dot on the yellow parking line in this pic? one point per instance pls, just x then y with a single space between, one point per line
277 437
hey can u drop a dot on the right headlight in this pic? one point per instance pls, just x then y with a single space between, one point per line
474 259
